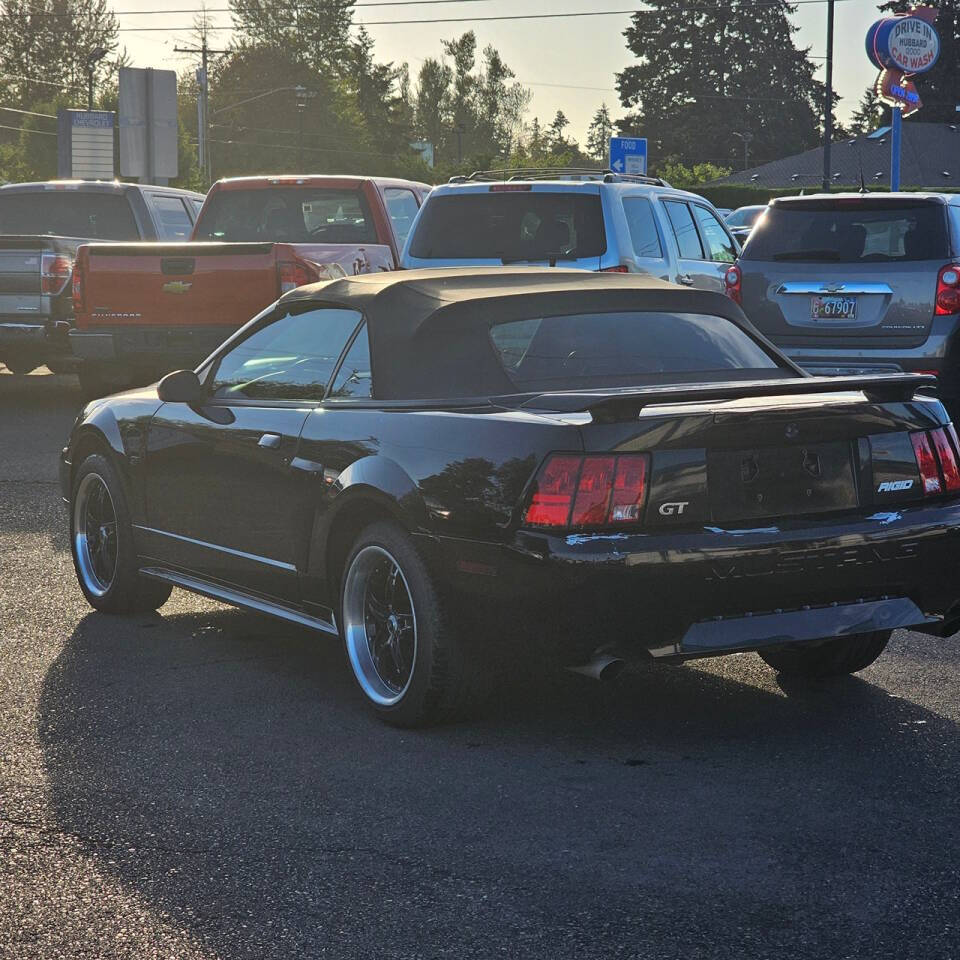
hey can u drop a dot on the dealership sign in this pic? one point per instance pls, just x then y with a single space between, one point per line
907 43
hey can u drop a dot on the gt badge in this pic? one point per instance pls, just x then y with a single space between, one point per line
673 509
891 486
176 286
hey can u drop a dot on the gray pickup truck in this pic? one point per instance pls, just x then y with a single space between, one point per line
41 227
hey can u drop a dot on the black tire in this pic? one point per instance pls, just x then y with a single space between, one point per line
443 682
832 658
105 562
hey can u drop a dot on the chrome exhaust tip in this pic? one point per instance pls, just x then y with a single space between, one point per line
600 668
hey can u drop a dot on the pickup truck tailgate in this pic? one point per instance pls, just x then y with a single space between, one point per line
174 285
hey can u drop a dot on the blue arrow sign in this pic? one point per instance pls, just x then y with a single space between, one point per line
628 155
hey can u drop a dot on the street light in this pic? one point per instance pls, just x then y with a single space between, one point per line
93 58
746 138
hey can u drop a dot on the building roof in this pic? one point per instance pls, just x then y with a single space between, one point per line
930 157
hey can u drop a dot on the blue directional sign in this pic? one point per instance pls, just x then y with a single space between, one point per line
628 155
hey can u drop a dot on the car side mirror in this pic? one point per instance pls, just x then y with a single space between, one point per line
181 386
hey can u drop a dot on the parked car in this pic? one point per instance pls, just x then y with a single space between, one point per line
619 468
859 283
605 222
41 226
742 220
144 309
724 212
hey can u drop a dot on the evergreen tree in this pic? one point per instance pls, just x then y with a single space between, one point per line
704 71
940 87
558 142
598 134
870 113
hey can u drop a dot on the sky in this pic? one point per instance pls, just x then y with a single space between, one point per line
568 63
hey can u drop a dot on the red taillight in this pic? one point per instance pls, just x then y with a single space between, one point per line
947 455
927 464
731 282
948 290
295 273
511 188
77 293
588 491
55 271
620 269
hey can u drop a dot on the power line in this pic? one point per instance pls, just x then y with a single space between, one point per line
151 13
30 113
41 133
286 146
49 83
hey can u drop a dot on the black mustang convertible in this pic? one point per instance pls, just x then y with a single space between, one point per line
598 468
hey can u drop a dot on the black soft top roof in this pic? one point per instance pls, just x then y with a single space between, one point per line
429 328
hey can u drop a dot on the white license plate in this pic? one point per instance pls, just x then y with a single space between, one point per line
833 308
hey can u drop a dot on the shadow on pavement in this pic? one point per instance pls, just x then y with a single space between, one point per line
224 767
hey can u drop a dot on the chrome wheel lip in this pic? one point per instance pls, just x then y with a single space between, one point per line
84 550
355 633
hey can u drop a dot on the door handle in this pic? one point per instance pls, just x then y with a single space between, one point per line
269 441
685 279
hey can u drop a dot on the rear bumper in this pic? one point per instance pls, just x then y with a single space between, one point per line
36 337
148 346
717 590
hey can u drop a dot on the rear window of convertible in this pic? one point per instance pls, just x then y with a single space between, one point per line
515 226
579 351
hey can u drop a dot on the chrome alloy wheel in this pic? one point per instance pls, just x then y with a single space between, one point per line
379 625
95 534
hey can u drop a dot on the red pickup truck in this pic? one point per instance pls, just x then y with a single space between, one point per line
142 309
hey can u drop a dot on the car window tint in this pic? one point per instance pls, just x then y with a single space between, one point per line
354 378
197 205
69 213
402 207
515 226
719 245
292 215
684 230
173 221
643 227
291 358
578 351
857 230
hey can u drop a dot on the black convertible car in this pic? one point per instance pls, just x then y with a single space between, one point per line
594 467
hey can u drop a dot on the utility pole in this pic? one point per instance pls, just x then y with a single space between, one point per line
828 107
746 138
203 104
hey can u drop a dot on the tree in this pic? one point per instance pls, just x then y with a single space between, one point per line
703 71
598 134
556 138
870 113
315 32
940 87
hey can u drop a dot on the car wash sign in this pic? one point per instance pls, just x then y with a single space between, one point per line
907 43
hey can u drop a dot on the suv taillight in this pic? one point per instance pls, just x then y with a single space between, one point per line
731 283
55 270
77 293
948 290
295 273
620 269
938 459
572 491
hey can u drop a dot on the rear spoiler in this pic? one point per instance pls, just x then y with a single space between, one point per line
609 405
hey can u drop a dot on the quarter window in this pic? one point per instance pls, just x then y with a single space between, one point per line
291 358
684 229
715 238
354 377
643 227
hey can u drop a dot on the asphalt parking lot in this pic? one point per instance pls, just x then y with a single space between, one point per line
206 783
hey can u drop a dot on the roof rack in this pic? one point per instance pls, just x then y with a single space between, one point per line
557 173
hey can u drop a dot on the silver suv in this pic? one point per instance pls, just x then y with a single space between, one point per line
591 220
858 283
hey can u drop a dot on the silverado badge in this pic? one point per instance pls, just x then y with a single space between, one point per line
176 286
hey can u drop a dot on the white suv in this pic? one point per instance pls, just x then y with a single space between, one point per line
590 220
